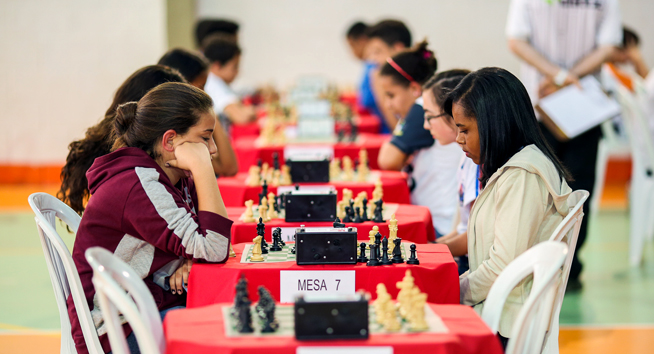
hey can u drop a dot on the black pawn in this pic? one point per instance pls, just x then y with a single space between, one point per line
261 231
347 214
337 223
384 255
378 211
275 157
413 259
397 251
364 211
374 261
279 232
362 253
276 246
357 217
264 191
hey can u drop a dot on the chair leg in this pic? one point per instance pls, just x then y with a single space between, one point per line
638 218
552 342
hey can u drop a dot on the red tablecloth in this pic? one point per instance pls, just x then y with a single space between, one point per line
365 122
248 153
413 221
235 192
202 330
437 275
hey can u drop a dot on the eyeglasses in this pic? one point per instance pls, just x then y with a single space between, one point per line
429 118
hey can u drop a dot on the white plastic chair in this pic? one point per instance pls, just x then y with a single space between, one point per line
568 229
63 273
641 194
110 276
544 261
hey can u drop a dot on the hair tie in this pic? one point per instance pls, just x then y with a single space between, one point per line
399 69
427 54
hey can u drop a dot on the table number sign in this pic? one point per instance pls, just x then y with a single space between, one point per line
327 282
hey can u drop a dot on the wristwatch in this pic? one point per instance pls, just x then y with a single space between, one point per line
560 77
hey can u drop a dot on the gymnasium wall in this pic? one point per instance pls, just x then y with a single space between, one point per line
60 64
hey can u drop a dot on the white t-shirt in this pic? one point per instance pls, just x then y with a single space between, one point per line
564 31
649 86
434 182
469 189
221 94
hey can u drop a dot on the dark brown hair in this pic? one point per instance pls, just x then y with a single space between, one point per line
442 83
99 138
172 105
419 62
188 63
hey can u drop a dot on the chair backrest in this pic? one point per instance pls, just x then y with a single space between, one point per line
544 262
111 277
63 273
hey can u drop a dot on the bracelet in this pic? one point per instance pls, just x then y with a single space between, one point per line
560 77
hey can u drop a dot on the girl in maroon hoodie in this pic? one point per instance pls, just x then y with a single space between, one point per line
155 201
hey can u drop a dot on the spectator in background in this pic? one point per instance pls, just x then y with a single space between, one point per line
206 27
224 56
195 70
385 39
560 42
358 40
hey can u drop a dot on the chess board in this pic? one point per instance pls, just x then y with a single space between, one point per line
285 254
284 315
387 213
372 177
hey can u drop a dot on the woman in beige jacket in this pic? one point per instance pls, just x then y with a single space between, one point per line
525 190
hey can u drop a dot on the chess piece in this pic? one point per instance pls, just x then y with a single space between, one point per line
264 191
357 217
272 213
378 211
241 294
347 195
266 311
341 135
404 295
276 178
354 131
391 323
413 259
279 232
254 177
248 216
392 235
276 246
384 259
334 169
244 321
348 211
364 210
259 163
263 209
362 253
256 250
338 223
381 303
348 169
374 261
275 157
293 248
261 231
340 209
362 168
231 251
371 237
378 192
397 251
416 315
285 179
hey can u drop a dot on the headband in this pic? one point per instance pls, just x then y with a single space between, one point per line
399 70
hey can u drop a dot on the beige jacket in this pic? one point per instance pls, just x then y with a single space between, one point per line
521 205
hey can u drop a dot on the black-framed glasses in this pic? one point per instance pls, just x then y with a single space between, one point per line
429 118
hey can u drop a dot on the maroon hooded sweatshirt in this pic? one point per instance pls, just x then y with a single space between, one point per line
151 224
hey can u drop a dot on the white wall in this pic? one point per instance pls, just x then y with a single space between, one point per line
60 64
283 39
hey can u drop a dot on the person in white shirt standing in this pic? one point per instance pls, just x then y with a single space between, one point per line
225 55
560 42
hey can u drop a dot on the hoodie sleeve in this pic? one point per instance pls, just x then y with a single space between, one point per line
519 209
158 214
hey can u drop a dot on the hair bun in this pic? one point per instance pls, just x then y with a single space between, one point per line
125 117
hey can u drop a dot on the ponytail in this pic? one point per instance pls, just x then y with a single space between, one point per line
125 117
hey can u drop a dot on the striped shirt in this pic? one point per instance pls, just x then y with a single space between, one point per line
563 31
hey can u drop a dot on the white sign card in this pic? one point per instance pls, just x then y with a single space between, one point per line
287 233
344 350
300 282
308 152
314 188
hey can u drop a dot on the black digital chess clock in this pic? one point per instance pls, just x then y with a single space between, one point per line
325 245
301 206
331 318
309 170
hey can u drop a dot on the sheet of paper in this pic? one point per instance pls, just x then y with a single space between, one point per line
298 282
575 111
308 152
344 350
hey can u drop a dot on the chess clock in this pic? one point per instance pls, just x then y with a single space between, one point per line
309 205
329 318
325 245
306 170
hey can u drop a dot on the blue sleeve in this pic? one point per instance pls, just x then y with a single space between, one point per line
367 98
411 136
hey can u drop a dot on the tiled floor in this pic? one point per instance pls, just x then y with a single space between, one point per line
614 313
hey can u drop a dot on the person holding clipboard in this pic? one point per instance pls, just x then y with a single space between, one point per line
559 42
